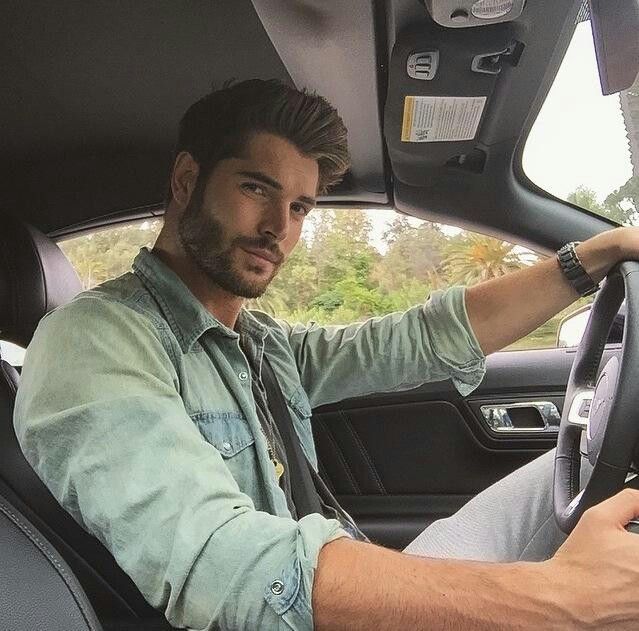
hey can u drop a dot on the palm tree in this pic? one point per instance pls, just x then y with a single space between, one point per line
471 258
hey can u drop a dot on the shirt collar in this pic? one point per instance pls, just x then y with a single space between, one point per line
185 314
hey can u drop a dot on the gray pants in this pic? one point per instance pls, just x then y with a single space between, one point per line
512 520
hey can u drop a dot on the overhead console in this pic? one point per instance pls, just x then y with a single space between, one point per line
464 13
442 83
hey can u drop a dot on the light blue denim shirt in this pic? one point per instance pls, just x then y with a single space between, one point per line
135 407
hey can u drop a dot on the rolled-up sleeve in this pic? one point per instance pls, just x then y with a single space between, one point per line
429 342
99 417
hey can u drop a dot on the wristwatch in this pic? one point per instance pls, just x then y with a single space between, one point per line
574 270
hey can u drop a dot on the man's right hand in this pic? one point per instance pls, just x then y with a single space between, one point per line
597 567
592 582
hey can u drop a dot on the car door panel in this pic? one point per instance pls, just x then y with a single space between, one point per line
398 461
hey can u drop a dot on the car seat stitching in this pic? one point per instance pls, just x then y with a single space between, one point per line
42 547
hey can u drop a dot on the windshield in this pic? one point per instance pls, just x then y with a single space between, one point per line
584 147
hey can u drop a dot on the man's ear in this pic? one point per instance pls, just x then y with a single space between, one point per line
184 178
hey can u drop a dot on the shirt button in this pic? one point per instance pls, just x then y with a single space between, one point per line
243 375
226 446
277 587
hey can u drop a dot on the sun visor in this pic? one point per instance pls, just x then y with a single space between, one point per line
441 84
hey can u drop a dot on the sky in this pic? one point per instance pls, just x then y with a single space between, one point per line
579 136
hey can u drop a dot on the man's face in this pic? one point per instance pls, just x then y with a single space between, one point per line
242 223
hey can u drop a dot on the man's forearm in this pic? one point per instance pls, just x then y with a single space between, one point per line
359 586
505 309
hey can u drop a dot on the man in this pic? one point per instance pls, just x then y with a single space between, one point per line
142 407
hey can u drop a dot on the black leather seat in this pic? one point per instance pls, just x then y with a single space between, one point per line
37 588
36 277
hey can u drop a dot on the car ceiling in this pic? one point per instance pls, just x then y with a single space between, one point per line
93 92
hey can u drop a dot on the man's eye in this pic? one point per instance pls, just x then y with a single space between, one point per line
253 188
300 209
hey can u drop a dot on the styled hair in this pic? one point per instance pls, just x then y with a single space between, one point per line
220 124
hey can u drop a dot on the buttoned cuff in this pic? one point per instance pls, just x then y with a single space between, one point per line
289 591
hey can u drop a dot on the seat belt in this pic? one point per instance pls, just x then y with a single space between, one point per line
307 487
303 489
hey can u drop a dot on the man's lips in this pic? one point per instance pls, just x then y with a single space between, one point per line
264 254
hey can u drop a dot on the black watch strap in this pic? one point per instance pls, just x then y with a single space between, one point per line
574 270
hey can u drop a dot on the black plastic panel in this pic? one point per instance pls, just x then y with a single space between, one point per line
424 163
398 461
92 94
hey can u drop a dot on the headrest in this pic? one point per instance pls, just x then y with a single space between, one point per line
35 277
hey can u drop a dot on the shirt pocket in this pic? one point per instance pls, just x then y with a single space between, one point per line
301 412
230 434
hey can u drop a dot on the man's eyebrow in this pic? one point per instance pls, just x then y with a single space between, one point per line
265 179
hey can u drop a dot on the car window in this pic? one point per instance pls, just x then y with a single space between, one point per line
584 147
12 353
350 265
104 254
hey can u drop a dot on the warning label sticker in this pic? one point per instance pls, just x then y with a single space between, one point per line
441 118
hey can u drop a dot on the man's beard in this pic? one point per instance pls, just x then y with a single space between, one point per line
203 239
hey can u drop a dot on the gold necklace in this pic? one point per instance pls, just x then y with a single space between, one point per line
279 467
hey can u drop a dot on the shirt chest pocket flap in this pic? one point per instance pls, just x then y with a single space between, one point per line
300 406
228 432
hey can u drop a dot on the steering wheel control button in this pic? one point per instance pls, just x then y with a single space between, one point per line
584 408
580 408
600 407
277 587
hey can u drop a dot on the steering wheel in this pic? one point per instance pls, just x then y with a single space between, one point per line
600 414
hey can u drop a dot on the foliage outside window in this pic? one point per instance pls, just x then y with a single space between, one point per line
102 255
349 265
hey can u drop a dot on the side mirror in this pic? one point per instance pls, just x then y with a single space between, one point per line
573 326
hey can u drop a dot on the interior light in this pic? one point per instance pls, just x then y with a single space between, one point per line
491 9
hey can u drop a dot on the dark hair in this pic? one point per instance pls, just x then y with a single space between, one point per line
219 125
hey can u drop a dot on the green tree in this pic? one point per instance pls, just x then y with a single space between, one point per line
623 204
341 245
103 255
414 253
295 285
471 258
344 258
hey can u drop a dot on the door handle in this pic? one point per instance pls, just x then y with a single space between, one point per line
526 416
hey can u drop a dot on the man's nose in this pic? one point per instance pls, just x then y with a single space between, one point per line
276 220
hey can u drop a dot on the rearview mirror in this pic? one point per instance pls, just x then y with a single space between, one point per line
615 24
